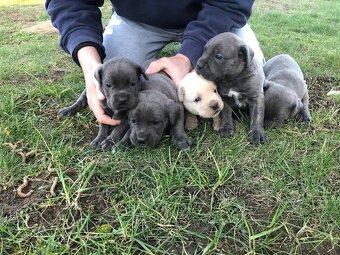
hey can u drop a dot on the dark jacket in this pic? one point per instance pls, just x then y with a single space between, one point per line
79 21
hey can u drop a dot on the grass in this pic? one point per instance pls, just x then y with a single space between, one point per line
224 196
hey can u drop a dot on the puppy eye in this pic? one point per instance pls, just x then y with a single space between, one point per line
197 99
219 56
133 84
155 122
108 85
215 91
133 121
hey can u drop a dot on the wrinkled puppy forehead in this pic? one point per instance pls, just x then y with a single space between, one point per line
147 112
120 72
227 42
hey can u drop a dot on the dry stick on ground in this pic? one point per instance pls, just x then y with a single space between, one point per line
23 155
22 186
54 180
54 184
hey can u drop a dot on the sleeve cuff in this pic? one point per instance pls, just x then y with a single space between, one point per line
81 38
192 49
84 44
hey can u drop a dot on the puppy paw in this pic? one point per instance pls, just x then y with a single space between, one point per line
226 131
66 111
304 117
107 145
96 142
183 142
257 136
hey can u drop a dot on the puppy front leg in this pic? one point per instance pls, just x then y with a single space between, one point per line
227 125
177 132
103 132
256 111
217 122
191 121
117 134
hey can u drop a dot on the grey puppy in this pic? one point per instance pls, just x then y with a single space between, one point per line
286 92
158 109
120 81
229 62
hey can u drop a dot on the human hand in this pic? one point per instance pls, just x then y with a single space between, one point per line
176 67
89 61
94 96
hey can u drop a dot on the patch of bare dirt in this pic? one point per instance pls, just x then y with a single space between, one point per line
41 27
318 87
274 5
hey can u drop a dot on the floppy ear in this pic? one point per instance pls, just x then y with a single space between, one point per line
266 85
296 107
174 112
246 54
140 71
98 74
180 93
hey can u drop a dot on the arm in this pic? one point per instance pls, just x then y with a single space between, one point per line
215 17
79 25
80 28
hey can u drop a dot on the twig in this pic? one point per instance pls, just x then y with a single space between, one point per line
54 184
21 187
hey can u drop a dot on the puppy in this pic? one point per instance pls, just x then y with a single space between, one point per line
120 81
199 97
230 63
286 92
158 108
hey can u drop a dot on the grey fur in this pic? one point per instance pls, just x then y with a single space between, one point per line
120 82
286 92
158 108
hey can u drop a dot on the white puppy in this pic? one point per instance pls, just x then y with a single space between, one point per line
199 97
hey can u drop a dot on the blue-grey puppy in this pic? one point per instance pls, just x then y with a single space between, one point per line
120 81
286 93
157 111
229 62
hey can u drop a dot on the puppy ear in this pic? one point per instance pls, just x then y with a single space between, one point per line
246 54
180 93
296 107
266 85
98 74
141 71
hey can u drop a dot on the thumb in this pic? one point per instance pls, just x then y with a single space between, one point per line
99 94
155 67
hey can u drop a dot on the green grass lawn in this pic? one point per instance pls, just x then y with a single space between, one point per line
224 196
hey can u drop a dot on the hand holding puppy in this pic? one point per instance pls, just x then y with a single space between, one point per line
176 67
90 61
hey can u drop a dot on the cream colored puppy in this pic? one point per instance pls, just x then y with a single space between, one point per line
199 97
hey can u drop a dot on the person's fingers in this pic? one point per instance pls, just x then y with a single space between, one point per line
105 119
156 66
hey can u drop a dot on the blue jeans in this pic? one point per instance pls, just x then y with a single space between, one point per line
140 42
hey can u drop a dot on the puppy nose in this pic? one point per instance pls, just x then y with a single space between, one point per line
214 106
199 66
122 97
141 137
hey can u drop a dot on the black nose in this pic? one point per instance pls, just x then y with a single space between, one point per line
199 66
214 106
141 137
122 97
